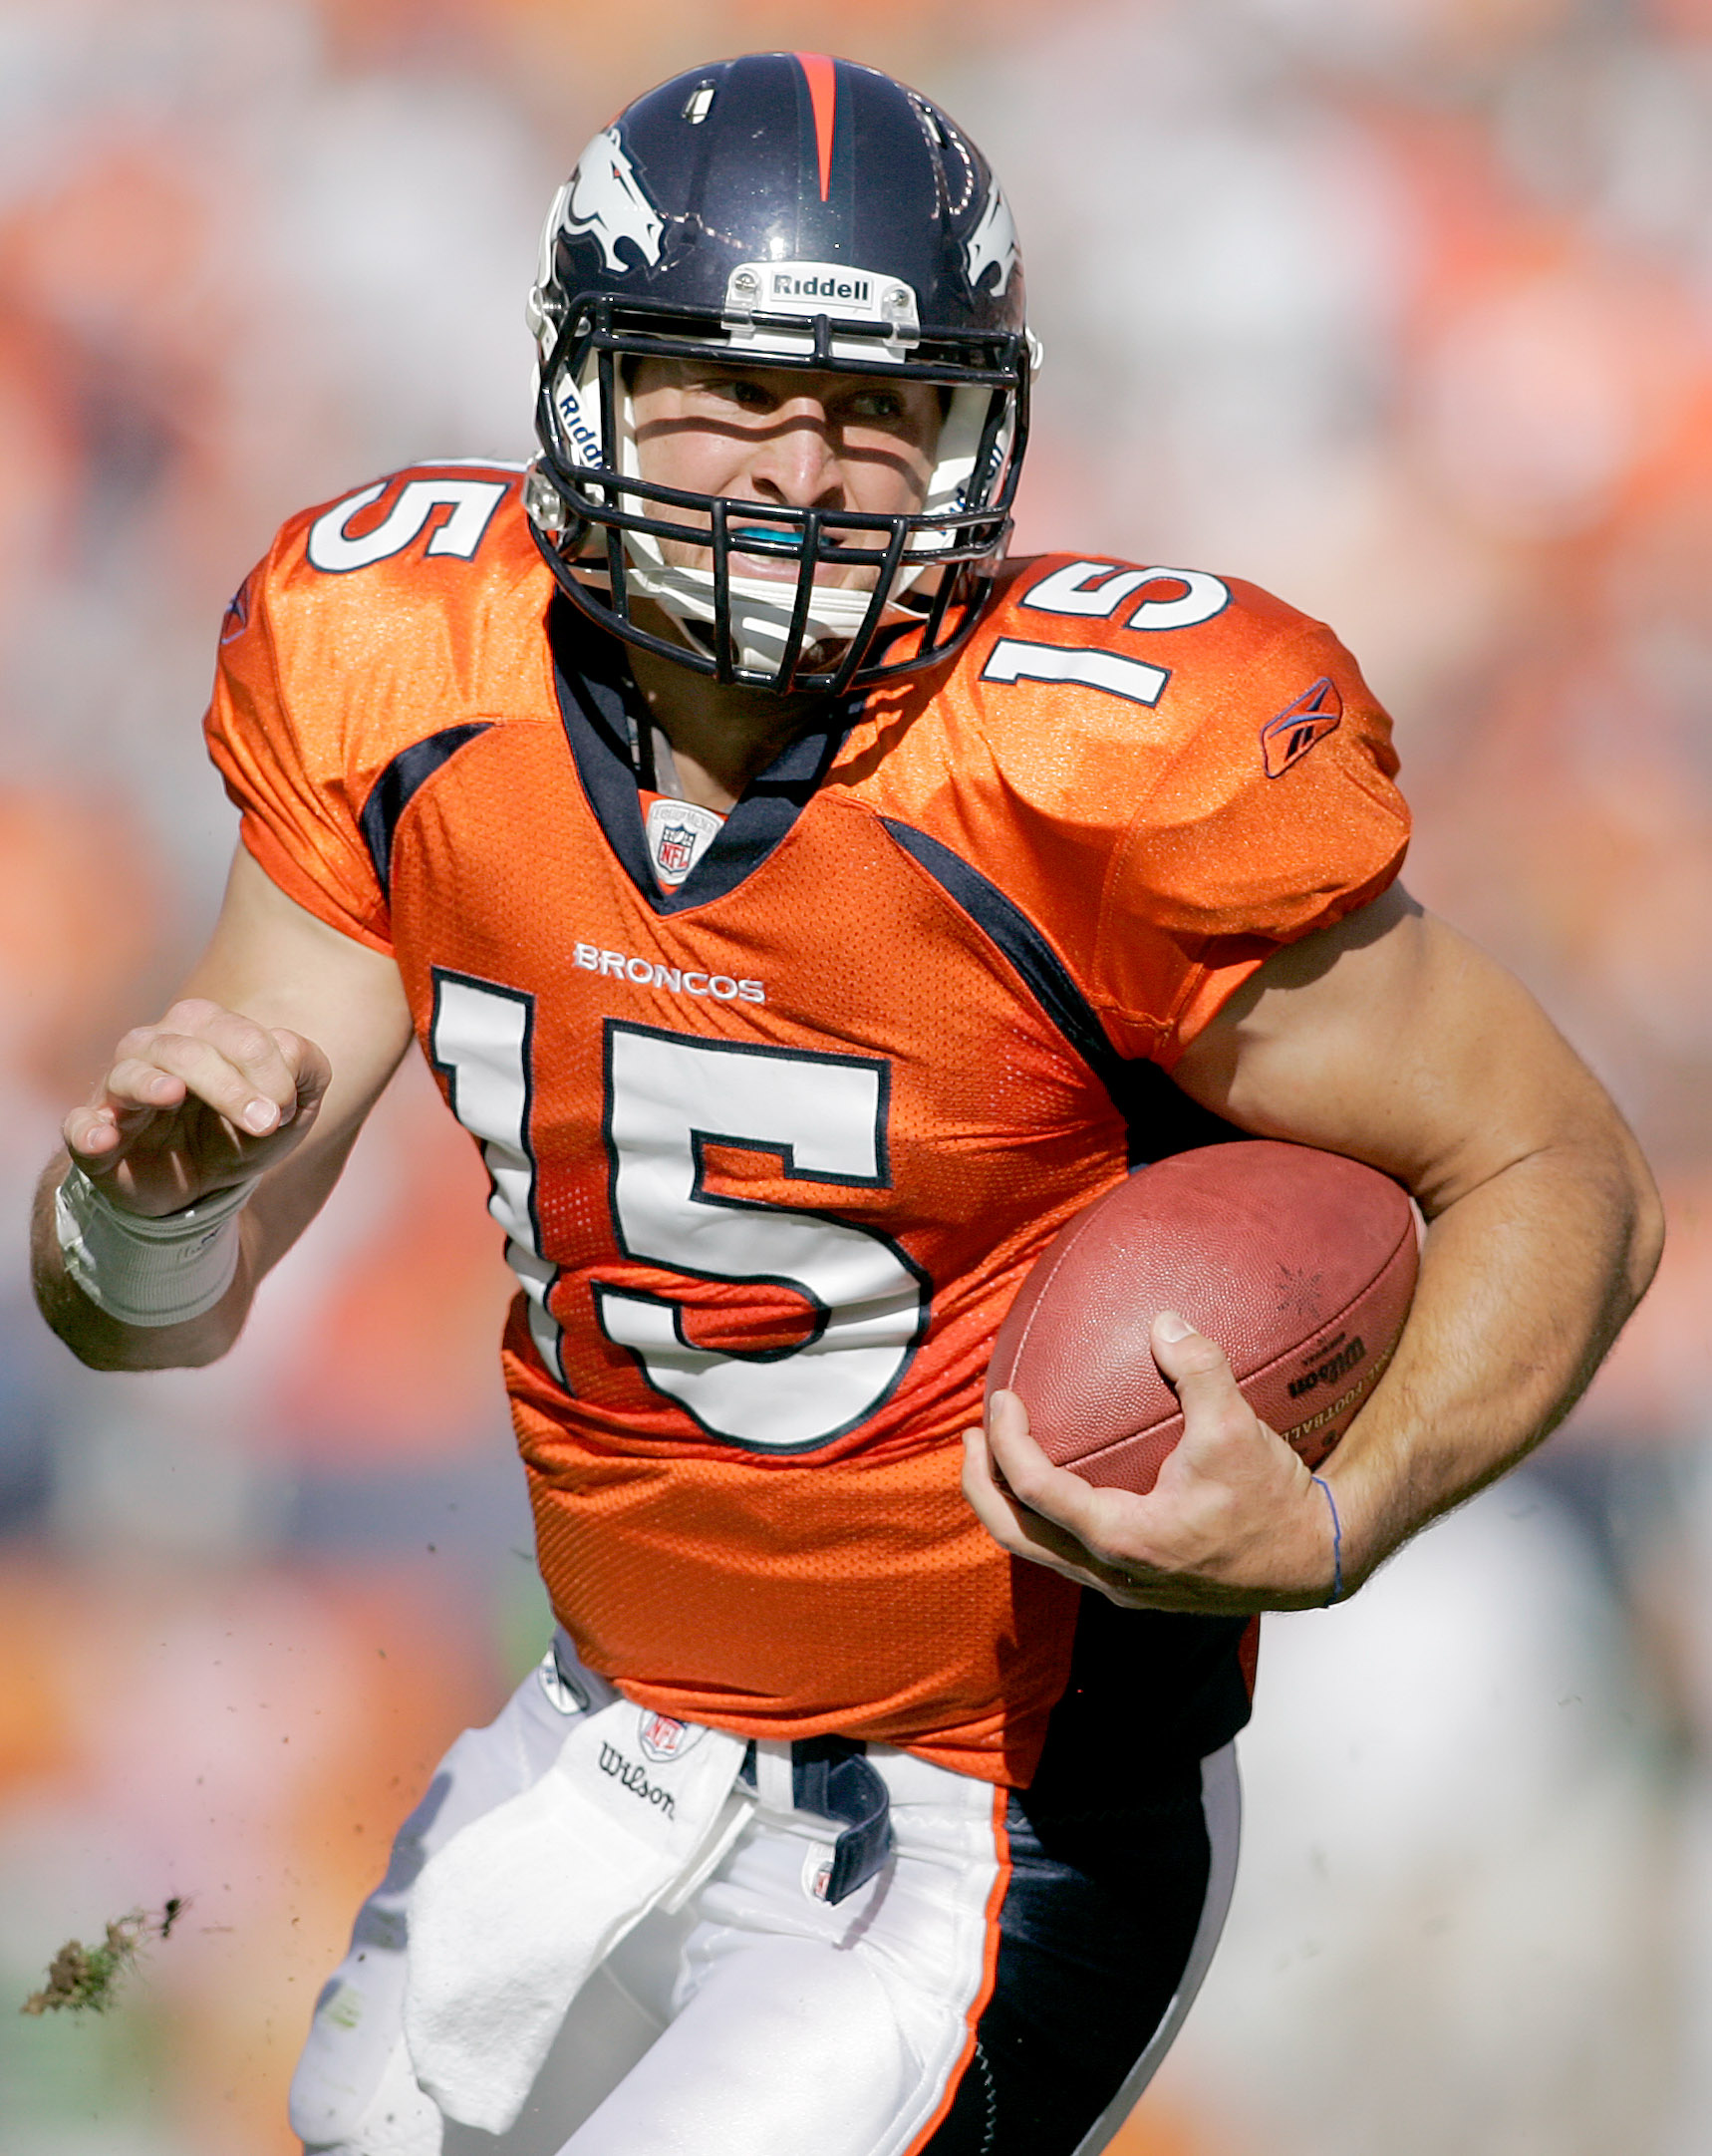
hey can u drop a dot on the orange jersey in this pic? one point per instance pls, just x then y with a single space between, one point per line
772 1151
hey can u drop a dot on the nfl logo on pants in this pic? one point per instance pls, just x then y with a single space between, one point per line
662 1737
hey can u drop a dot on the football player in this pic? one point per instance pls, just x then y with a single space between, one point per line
803 907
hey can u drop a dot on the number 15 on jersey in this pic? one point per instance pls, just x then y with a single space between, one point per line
667 1098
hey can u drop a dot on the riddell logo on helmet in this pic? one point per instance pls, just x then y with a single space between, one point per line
853 291
581 436
811 288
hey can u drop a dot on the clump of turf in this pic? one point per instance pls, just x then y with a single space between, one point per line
86 1979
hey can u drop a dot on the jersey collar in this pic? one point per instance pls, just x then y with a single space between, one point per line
601 706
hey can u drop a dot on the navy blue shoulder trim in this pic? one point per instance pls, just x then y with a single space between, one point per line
1021 942
390 793
1161 1118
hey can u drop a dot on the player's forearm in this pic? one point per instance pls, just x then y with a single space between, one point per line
1526 1280
105 1342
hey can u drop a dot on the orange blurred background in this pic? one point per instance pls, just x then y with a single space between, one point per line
1400 307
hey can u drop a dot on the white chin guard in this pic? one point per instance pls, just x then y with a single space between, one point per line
761 609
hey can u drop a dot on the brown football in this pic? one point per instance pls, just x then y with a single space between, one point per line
1300 1263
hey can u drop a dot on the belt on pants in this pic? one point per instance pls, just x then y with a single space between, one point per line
832 1777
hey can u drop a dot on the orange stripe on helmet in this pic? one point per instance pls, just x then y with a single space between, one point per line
822 77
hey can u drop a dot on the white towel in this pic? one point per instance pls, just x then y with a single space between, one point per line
347 2095
518 1909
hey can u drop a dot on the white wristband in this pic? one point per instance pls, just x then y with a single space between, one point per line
148 1272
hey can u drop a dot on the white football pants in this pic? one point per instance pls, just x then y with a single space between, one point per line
757 2020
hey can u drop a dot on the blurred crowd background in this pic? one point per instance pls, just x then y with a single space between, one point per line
1400 307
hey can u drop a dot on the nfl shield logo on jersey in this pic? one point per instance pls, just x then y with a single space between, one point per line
679 834
664 1737
676 850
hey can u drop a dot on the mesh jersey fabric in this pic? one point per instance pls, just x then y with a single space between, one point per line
774 1152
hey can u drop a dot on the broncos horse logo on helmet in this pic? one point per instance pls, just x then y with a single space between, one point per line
994 242
604 201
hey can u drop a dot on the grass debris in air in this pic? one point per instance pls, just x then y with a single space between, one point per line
86 1979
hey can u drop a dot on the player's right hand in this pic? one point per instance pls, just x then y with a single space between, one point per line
196 1103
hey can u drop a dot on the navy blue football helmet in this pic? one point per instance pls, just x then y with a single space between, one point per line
806 213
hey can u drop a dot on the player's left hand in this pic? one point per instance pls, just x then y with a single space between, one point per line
1234 1523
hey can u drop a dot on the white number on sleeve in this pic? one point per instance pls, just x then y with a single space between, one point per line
1206 596
480 1037
825 1116
1013 660
471 501
1095 590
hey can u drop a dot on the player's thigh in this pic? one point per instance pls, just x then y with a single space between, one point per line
788 2048
797 2025
1108 1925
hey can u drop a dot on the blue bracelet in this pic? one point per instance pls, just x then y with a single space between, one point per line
1336 1594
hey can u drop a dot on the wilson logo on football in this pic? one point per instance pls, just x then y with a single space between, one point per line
1334 1366
1286 738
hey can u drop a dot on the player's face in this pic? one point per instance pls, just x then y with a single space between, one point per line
783 438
